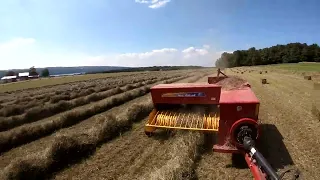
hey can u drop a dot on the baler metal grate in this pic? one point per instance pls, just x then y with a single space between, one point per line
190 121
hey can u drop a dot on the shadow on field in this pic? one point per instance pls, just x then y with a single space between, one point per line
272 148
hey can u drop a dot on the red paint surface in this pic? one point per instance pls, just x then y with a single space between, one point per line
256 172
211 91
244 95
229 115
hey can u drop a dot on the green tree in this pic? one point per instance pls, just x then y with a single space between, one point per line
10 73
45 72
289 53
33 71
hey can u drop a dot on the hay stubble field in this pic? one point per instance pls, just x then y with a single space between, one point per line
93 129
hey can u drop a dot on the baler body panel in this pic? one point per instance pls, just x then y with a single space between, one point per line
184 93
239 96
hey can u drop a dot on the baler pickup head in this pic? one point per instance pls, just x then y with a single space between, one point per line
185 106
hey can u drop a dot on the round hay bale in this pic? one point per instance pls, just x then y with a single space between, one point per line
264 81
307 77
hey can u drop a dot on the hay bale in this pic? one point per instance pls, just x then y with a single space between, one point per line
307 77
264 81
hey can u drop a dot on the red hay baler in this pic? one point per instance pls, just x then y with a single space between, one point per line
231 114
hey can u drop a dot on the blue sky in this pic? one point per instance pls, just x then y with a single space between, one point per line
147 32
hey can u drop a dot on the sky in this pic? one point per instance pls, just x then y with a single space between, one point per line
46 33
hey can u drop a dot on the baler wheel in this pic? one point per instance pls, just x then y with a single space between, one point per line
149 134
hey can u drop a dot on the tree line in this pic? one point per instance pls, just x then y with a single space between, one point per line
290 53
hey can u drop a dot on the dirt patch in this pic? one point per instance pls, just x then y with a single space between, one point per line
232 82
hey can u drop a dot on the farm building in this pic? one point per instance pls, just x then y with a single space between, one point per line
7 79
23 76
26 76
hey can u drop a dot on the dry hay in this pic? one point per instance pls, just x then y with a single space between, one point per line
316 112
184 154
71 147
27 133
316 86
39 112
30 132
232 82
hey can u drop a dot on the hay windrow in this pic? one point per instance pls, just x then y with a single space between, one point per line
23 103
68 148
184 154
71 147
40 112
30 132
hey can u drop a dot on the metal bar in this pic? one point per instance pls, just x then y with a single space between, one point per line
191 124
175 124
187 120
203 119
197 121
154 118
181 120
168 119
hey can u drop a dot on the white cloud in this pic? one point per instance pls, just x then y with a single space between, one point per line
153 4
159 4
142 1
163 57
27 52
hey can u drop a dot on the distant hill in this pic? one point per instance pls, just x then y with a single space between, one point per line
100 69
69 70
150 68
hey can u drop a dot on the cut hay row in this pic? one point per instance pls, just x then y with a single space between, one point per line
30 132
40 112
20 105
185 152
66 149
88 91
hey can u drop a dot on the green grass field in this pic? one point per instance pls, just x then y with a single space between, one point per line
35 83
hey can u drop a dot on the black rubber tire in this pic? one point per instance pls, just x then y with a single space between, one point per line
149 134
